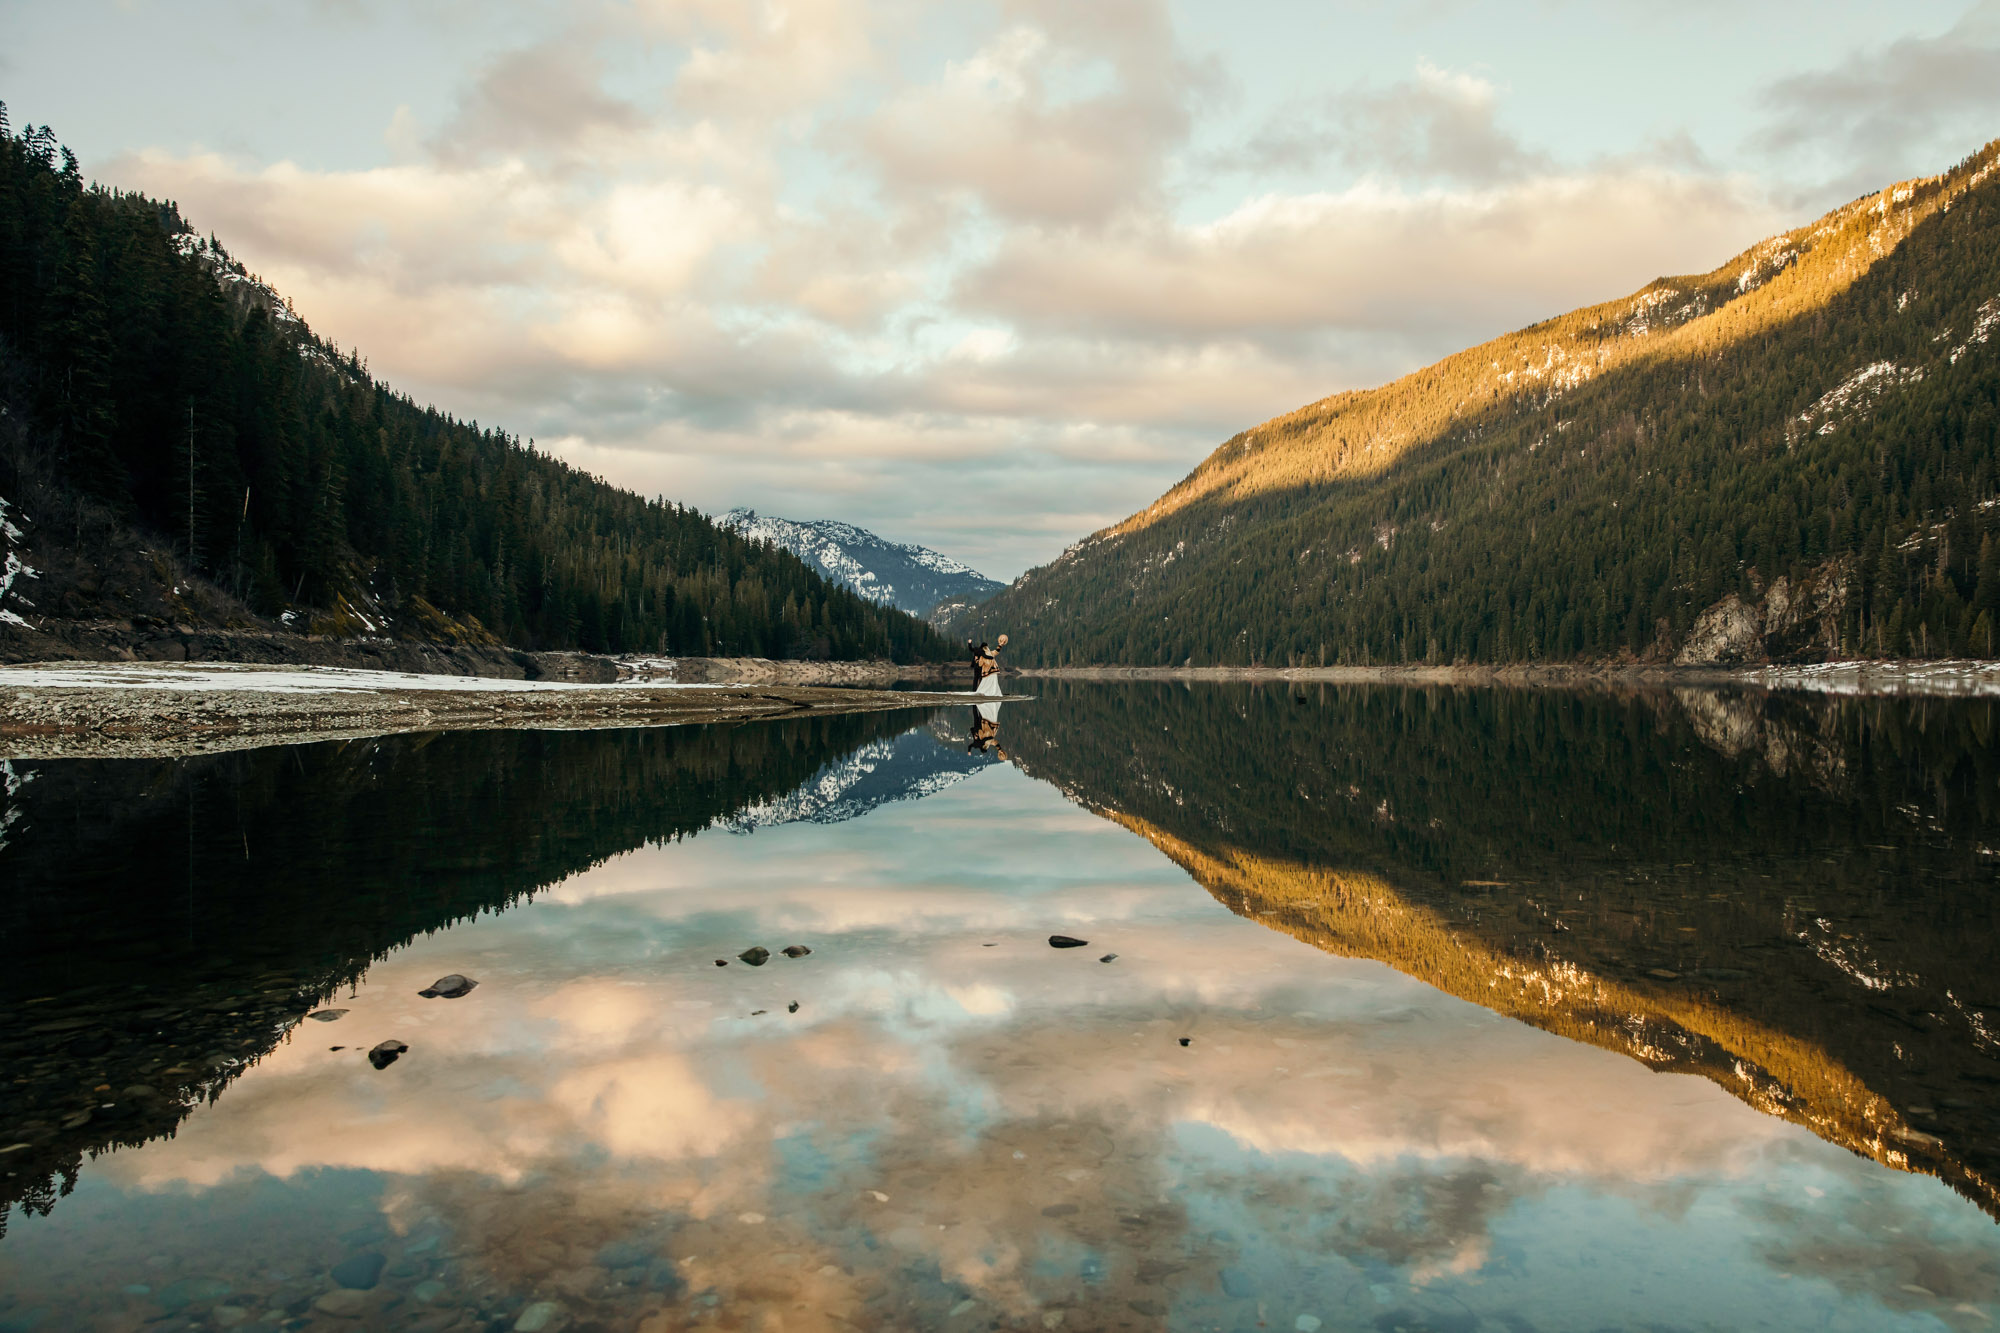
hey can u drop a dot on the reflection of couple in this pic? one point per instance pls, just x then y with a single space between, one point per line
986 731
986 717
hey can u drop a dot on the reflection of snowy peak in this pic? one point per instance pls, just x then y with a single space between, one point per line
908 767
914 578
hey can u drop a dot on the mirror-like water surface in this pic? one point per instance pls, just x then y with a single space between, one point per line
1429 1010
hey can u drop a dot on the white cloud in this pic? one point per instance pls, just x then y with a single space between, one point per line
940 272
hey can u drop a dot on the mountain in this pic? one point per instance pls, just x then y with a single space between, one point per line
921 762
1790 456
912 578
177 446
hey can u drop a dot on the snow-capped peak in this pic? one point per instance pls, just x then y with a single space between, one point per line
901 574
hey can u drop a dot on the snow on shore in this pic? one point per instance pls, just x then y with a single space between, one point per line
207 676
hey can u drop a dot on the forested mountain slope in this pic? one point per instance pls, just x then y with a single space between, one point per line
1820 409
151 386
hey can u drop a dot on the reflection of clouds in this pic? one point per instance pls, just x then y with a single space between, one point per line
1016 1125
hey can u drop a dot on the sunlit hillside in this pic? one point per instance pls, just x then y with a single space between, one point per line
1819 408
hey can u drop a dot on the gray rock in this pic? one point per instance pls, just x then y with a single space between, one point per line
326 1015
1109 958
385 1053
1066 942
541 1317
192 1291
449 988
622 1254
796 951
360 1272
755 955
342 1303
1727 632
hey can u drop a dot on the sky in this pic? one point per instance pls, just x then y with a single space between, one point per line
984 276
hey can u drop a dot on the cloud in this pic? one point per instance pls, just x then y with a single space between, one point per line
944 279
542 96
1434 267
1899 111
1440 125
1065 117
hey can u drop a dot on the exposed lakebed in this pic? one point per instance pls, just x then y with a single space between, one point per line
1395 1008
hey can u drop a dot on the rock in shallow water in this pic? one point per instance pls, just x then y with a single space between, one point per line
1066 942
449 988
385 1053
541 1317
755 955
326 1015
193 1291
360 1272
796 951
342 1303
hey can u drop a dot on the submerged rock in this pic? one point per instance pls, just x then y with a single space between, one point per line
794 1007
755 955
326 1015
360 1272
796 951
384 1054
342 1303
1066 942
541 1317
722 962
1109 958
1186 1040
193 1291
448 988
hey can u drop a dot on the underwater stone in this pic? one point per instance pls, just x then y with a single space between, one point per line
360 1272
1066 942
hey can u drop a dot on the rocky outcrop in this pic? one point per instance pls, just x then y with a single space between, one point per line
1787 624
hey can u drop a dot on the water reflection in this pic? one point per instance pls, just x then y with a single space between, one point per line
960 1127
1793 896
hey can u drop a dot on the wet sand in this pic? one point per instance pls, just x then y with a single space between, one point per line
149 709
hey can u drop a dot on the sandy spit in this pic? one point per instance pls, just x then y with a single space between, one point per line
149 710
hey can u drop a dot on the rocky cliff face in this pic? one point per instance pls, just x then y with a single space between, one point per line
1788 623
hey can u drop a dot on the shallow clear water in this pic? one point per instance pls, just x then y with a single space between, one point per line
1499 1011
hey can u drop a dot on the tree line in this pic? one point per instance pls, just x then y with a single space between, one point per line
165 382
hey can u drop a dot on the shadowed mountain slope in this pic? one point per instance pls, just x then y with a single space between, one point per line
1819 409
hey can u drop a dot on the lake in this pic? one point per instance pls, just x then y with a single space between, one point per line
1398 1008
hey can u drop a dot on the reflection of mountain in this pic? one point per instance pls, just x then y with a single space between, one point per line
270 877
908 767
1794 899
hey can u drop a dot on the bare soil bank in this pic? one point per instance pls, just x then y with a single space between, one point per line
71 721
1948 678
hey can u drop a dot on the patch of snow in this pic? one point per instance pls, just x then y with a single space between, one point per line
1857 392
1982 329
12 569
205 676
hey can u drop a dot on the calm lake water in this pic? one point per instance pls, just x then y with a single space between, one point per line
1429 1009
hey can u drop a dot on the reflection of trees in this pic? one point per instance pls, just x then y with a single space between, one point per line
167 921
1793 898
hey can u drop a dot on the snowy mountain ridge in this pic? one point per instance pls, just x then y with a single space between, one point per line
900 574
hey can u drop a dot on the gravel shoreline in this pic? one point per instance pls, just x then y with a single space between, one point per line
1955 679
150 710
